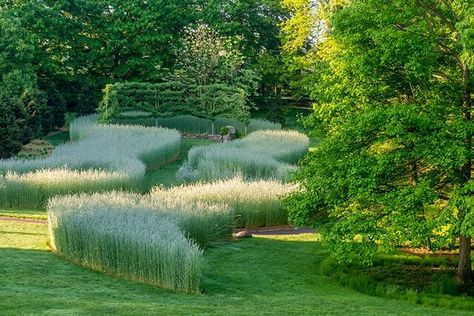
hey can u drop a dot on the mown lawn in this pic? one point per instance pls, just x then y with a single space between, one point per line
166 175
257 276
29 214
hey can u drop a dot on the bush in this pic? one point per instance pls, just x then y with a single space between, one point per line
261 155
103 157
255 203
155 241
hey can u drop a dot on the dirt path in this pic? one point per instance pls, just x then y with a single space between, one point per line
276 230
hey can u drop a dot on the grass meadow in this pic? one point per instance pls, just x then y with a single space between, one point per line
170 252
100 158
275 275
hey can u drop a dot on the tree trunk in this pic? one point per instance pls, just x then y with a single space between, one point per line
464 271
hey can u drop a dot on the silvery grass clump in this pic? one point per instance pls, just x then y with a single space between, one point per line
102 157
193 124
156 241
261 155
260 124
255 203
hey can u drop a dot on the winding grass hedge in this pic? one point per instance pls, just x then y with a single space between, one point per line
255 203
102 158
261 155
192 124
156 241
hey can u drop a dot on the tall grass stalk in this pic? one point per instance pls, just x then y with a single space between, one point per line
255 203
101 158
193 124
156 241
261 155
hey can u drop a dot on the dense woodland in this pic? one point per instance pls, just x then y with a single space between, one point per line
57 56
390 83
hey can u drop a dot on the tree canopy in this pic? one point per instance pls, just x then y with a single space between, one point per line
392 83
59 55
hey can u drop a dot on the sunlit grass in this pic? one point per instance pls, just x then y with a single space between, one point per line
275 275
156 241
261 155
102 157
255 203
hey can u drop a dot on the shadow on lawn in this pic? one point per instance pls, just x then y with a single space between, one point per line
256 265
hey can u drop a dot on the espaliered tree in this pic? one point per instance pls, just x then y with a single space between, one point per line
393 84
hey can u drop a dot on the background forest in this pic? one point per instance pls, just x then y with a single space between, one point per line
57 56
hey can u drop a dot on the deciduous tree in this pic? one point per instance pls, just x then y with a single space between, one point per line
393 88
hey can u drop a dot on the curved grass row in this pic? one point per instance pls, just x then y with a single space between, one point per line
261 155
101 158
155 241
193 124
255 203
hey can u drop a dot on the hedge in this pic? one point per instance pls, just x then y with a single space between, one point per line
174 98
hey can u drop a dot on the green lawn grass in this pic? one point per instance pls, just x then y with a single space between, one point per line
29 214
166 175
58 138
257 276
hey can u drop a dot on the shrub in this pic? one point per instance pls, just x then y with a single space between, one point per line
155 241
261 155
255 203
103 157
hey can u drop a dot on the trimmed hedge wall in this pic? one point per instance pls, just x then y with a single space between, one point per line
173 98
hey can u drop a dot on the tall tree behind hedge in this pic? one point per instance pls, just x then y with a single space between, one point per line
206 58
393 87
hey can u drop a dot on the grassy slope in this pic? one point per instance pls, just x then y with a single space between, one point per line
258 276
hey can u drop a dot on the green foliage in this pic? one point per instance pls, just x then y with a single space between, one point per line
394 97
207 58
22 104
427 280
173 98
9 131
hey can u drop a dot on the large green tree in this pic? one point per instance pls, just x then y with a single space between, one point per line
23 106
214 65
393 88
